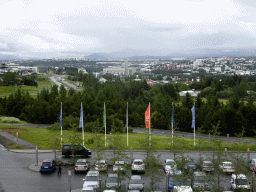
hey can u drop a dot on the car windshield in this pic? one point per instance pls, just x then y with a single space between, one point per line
170 163
81 163
242 182
200 178
46 163
112 180
191 163
137 163
227 164
208 164
135 181
91 178
66 147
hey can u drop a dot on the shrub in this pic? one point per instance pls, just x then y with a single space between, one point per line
10 120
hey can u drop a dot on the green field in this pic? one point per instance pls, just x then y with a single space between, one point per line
7 90
46 139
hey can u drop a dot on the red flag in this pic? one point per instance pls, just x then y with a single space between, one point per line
147 117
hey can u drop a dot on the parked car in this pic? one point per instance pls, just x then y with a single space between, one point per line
136 183
190 165
227 167
82 165
109 191
67 150
207 166
88 189
252 165
182 188
92 179
101 165
174 178
200 181
119 165
169 164
138 165
111 181
48 165
240 181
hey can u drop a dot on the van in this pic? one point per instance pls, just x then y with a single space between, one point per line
240 181
78 149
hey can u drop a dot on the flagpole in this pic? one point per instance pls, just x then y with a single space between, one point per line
82 121
172 122
61 124
149 126
194 125
105 125
127 122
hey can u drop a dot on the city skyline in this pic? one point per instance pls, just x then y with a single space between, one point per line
61 28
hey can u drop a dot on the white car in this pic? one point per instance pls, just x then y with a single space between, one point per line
169 164
183 188
101 165
239 181
138 165
119 165
88 189
227 167
92 179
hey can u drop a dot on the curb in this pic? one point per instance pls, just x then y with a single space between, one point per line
35 168
29 151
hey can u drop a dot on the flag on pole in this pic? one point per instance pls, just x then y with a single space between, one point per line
193 116
61 115
81 117
147 117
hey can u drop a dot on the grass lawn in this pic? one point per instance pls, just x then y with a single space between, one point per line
46 139
7 90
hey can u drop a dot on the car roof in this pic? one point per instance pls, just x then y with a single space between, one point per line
81 160
198 173
47 160
92 173
239 176
169 159
112 175
207 162
135 177
101 161
226 162
119 162
138 160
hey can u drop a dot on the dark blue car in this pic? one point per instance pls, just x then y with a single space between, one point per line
48 165
174 179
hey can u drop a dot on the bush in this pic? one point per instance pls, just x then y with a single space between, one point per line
69 122
55 126
9 120
16 147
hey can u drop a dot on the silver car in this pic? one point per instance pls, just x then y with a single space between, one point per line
101 165
119 165
136 183
138 165
207 166
82 165
92 179
111 181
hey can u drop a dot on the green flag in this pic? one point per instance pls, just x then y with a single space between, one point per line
104 116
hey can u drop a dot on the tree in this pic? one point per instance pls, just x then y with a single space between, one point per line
187 101
63 92
10 78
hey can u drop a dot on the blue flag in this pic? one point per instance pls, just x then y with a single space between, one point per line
61 115
193 116
81 117
172 115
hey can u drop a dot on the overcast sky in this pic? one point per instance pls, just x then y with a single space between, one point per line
90 26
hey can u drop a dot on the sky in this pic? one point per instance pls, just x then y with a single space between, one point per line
59 27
